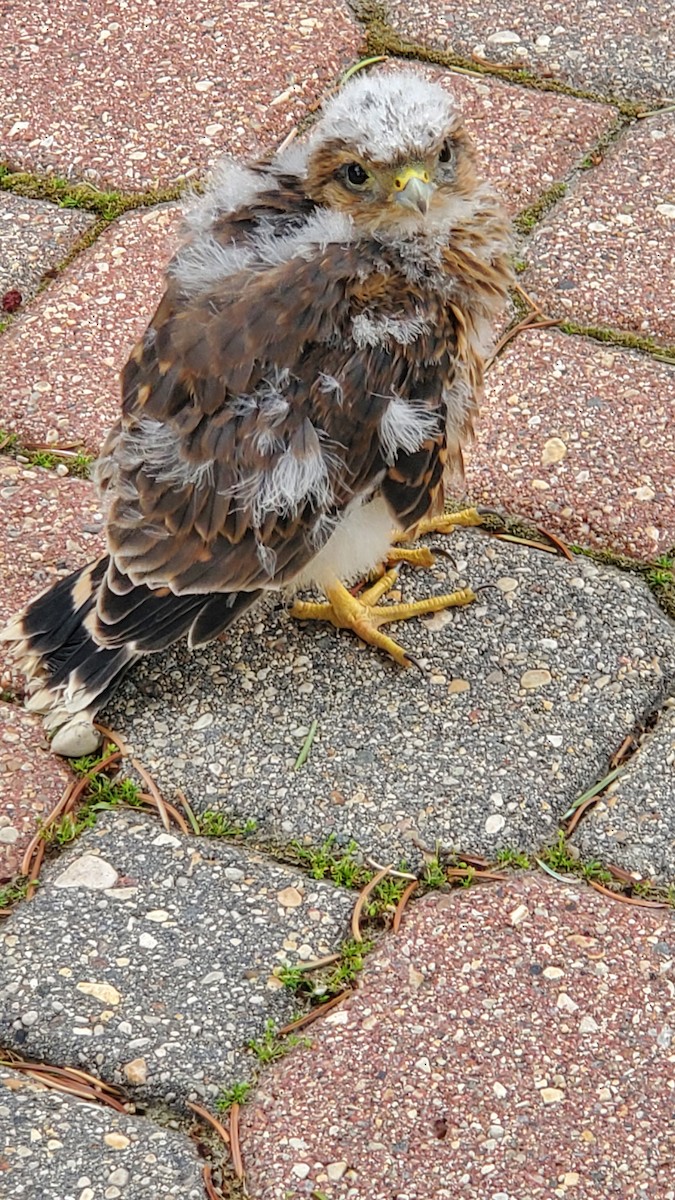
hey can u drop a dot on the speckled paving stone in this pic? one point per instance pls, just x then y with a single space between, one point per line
50 526
529 692
512 1042
34 236
633 826
59 376
139 95
525 139
148 958
581 437
31 781
605 255
54 1147
615 48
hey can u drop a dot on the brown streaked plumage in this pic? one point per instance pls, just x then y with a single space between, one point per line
308 379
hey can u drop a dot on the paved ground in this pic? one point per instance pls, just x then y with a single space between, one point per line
514 1038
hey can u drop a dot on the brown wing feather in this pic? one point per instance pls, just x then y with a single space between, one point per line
194 527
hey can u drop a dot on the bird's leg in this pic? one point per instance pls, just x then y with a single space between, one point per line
423 556
364 615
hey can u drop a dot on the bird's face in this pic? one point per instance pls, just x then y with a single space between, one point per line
391 163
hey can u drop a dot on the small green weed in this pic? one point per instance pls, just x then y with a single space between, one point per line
513 858
215 824
328 862
270 1047
11 893
434 875
236 1094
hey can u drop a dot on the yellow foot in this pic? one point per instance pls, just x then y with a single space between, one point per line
444 523
364 615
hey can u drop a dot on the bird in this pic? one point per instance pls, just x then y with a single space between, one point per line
294 411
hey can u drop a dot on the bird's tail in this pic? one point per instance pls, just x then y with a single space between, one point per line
78 639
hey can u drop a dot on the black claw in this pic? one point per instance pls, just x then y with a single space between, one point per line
484 511
486 587
444 554
414 662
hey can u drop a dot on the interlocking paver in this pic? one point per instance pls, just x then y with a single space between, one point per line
568 435
614 48
61 359
512 1041
31 781
50 526
148 958
529 693
604 256
138 94
53 1147
34 238
633 825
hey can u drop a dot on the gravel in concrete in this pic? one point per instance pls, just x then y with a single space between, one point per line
633 825
148 958
614 48
567 436
54 1147
513 1042
528 694
61 359
604 256
31 781
34 237
139 95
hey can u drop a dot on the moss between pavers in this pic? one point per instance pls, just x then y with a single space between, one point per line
381 38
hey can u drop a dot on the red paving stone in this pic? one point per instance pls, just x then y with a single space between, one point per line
50 526
59 375
605 256
34 236
31 781
607 415
513 1041
615 48
138 94
526 139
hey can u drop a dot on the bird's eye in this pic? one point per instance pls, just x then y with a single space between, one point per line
356 175
446 152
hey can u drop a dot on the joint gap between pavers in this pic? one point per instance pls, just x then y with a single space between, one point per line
106 204
381 38
47 457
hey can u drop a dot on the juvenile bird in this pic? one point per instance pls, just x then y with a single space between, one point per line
304 387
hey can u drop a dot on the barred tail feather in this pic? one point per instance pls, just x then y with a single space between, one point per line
78 639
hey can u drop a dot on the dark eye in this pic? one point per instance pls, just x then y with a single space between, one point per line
356 174
446 152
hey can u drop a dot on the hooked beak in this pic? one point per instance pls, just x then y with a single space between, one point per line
412 189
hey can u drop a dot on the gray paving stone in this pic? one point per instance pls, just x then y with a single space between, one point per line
633 826
613 48
34 236
479 754
158 981
55 1147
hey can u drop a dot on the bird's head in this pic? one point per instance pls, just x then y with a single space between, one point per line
390 151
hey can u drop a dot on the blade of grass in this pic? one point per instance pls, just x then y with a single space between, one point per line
593 791
306 746
190 814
